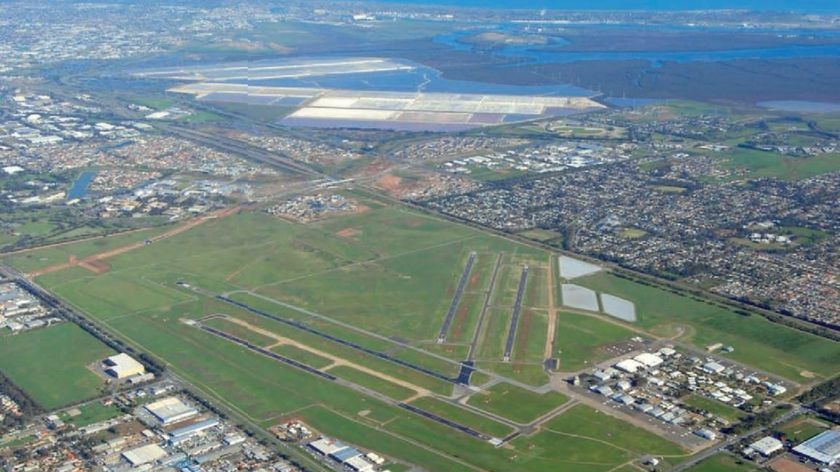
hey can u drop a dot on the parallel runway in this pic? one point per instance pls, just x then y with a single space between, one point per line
309 329
514 319
267 353
456 298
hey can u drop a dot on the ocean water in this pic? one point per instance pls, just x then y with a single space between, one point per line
537 55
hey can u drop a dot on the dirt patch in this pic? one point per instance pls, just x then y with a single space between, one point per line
94 259
473 281
783 464
363 413
389 183
460 319
807 374
522 334
349 233
97 266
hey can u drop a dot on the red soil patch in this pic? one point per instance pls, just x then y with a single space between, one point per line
522 333
97 266
460 319
389 183
349 232
783 464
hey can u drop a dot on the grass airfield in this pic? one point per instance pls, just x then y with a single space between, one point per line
362 298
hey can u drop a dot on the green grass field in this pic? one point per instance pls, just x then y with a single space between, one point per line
579 339
389 389
50 364
515 403
91 413
463 416
801 428
584 421
721 410
309 358
758 342
587 440
408 265
724 463
767 164
32 260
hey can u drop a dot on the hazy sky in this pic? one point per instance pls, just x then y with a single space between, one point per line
798 5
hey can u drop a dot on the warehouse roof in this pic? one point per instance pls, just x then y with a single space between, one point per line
824 447
170 410
144 454
124 365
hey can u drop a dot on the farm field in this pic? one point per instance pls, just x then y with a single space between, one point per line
50 364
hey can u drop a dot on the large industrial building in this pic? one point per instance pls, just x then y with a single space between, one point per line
170 410
823 448
123 366
144 455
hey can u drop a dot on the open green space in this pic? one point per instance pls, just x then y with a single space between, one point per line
91 413
157 103
584 421
377 384
516 403
309 358
463 416
801 428
408 264
719 409
239 331
758 342
724 462
50 364
31 260
768 164
579 340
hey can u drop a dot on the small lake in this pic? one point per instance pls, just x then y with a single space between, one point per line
80 186
801 106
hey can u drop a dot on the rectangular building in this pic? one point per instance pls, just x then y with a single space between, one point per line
123 366
823 448
170 410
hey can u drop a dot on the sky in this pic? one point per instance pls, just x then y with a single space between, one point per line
795 5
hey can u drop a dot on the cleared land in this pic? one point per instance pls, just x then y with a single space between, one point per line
50 364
